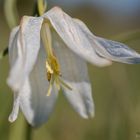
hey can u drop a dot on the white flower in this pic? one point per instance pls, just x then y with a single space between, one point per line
50 52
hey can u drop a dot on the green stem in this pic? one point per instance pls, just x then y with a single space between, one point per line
42 6
11 14
28 132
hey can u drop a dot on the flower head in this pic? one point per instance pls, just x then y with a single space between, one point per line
49 53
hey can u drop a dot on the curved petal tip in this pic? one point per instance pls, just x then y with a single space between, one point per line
14 114
12 117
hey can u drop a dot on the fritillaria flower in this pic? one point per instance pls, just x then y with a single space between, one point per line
49 53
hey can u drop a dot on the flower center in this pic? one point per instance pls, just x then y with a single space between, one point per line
52 65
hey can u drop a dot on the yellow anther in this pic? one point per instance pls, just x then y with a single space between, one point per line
55 65
49 71
48 67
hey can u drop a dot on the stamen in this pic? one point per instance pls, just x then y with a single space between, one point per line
50 86
57 83
49 71
49 89
64 84
52 65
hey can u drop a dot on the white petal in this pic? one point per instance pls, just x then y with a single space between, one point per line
13 53
109 49
27 44
13 50
117 51
36 106
74 37
14 114
74 73
15 59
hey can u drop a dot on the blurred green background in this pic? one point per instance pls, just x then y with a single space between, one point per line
116 89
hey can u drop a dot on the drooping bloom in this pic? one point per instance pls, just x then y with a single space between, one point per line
49 53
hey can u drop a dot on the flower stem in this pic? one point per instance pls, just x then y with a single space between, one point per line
28 132
11 13
42 6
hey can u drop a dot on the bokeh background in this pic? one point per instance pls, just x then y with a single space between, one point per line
116 89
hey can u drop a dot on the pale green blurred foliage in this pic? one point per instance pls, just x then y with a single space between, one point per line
11 14
116 91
